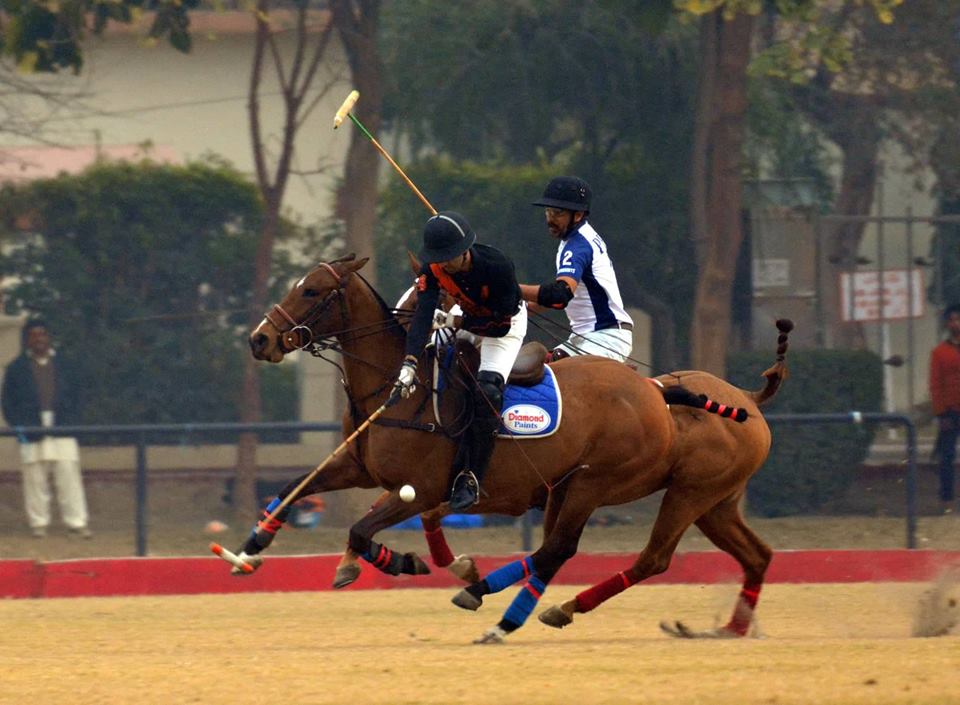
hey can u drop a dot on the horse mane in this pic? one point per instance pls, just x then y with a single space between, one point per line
396 329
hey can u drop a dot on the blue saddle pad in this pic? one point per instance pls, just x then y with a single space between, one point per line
531 412
528 412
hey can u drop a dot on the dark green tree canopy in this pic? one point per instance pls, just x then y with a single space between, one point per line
142 272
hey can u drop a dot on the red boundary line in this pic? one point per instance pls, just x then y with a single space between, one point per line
198 575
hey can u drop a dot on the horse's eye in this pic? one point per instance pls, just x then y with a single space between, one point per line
311 293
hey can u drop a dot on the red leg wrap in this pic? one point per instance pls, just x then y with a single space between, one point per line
601 592
439 550
743 612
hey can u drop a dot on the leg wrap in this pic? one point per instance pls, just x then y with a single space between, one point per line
601 592
383 558
509 574
264 532
743 612
439 550
523 604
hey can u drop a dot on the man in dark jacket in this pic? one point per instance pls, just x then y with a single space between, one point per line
482 281
37 392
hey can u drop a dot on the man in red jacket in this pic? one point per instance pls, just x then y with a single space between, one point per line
945 396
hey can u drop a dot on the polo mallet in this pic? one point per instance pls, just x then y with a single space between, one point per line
344 112
238 562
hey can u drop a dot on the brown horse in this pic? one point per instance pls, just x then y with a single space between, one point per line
703 441
616 442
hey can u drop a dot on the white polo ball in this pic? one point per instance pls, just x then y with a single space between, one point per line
407 493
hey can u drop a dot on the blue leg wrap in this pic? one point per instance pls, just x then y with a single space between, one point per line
507 575
525 601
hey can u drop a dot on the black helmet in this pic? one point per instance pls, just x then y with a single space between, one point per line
446 235
567 192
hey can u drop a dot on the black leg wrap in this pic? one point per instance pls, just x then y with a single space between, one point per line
508 626
383 558
478 590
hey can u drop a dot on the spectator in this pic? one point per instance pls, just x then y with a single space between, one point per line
37 391
945 397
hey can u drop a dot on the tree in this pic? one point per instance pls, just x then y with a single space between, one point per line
726 43
141 270
298 71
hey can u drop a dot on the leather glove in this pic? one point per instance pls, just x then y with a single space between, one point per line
444 319
407 379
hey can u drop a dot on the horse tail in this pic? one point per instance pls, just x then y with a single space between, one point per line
777 373
684 397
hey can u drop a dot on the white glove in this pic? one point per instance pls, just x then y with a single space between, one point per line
407 379
444 319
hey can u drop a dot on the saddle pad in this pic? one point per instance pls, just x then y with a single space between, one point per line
528 412
531 412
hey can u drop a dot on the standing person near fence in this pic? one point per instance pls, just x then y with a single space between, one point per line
945 397
37 391
585 285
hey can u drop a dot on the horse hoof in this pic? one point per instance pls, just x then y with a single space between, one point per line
555 617
252 561
465 569
345 575
418 567
466 601
494 635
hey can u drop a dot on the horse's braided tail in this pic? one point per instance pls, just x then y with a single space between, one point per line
684 397
778 372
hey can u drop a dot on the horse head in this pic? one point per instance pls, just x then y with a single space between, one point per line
314 307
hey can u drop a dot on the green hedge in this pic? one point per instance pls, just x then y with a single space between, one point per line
810 465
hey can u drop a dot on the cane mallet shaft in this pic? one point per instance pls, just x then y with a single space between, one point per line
347 441
344 112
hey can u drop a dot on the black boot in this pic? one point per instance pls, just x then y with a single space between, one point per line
488 400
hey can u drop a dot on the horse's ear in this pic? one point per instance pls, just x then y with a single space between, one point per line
414 263
354 264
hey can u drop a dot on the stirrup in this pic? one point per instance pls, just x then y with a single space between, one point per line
466 491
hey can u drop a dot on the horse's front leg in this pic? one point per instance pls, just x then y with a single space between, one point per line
388 510
539 568
461 566
342 472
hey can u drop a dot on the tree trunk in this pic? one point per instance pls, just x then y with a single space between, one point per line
860 143
727 103
251 407
357 25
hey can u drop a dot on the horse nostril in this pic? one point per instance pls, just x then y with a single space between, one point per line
258 341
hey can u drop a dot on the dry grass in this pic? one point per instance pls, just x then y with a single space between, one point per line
825 644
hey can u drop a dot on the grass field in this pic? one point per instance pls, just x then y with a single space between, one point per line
825 644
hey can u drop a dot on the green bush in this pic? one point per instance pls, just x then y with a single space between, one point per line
809 465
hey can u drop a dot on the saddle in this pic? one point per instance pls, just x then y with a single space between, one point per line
456 369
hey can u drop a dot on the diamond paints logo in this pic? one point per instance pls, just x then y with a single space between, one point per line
525 419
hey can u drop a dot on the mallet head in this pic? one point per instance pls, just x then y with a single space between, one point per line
345 108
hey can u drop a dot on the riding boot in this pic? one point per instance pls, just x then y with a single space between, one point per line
488 400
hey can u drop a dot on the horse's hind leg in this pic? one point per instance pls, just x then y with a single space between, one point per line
725 527
678 510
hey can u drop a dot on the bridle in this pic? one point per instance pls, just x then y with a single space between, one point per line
296 335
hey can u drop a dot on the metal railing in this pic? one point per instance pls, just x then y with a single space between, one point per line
140 433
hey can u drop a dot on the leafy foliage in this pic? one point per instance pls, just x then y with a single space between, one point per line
811 465
47 36
142 272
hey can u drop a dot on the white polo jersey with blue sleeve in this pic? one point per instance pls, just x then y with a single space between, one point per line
596 304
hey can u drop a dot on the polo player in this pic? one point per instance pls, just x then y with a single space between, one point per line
482 281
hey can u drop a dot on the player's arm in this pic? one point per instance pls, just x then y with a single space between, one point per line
555 294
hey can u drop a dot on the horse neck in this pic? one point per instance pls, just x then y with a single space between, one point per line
373 346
